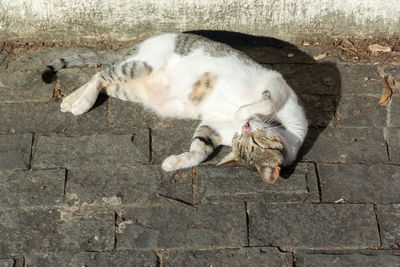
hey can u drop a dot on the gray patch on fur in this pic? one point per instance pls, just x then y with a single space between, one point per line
187 43
133 51
101 58
131 70
266 95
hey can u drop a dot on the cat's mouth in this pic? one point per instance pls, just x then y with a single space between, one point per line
246 128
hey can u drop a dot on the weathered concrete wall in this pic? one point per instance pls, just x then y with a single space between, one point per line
71 20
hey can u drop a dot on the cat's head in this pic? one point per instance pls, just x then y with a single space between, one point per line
258 147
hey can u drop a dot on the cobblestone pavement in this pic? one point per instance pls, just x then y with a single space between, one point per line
89 190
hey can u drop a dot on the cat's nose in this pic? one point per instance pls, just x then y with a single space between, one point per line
246 127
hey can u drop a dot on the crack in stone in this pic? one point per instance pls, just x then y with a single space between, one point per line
317 172
247 223
378 224
178 201
117 222
150 146
385 137
159 258
32 150
194 186
65 184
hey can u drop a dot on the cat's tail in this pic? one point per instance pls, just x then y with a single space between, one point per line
99 58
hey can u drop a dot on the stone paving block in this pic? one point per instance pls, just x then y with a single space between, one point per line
395 111
228 257
312 226
320 109
332 79
135 185
183 227
311 51
3 61
345 145
62 151
311 79
389 219
7 262
216 184
31 188
43 230
274 55
101 259
47 118
24 86
360 79
15 151
360 111
355 183
393 138
172 141
11 261
126 115
40 58
348 258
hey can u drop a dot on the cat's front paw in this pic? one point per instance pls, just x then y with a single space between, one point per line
172 163
184 160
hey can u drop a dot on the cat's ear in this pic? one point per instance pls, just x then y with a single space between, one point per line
269 175
229 159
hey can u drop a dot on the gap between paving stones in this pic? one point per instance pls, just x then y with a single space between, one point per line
378 224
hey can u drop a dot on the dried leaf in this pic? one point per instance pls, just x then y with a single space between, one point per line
386 93
379 48
319 57
349 45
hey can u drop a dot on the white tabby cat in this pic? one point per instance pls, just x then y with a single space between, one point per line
188 76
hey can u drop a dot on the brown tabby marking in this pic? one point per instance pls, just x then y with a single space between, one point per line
256 150
207 139
202 87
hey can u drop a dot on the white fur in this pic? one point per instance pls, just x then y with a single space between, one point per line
235 97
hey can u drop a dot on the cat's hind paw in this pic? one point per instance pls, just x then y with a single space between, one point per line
79 101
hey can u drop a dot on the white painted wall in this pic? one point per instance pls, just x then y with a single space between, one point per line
129 19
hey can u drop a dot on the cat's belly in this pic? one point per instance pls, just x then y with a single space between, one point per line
175 96
159 93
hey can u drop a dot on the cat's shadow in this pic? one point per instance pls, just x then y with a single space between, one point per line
317 83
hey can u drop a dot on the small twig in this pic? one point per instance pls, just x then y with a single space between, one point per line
177 201
348 50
